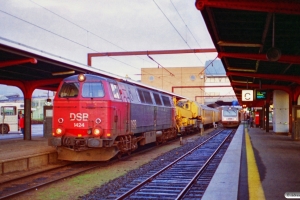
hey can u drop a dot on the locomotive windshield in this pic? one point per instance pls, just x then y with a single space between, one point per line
89 89
69 90
94 89
229 113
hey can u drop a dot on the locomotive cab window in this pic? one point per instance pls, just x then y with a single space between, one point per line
92 90
69 90
115 91
130 95
166 101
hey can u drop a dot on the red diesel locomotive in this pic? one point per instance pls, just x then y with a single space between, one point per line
96 118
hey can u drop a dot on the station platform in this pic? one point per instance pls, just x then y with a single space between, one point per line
28 156
257 165
12 144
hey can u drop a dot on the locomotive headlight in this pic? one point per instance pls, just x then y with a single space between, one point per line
58 131
81 77
96 131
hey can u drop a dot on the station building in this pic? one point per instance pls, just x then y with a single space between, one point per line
201 83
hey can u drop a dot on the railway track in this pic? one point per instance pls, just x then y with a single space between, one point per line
17 186
24 184
188 176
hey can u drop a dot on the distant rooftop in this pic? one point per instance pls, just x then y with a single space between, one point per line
214 68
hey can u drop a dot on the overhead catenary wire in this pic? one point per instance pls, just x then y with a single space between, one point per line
58 35
160 65
188 30
78 25
97 36
171 23
63 37
88 31
70 40
208 65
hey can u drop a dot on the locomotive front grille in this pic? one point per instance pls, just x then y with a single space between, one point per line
75 143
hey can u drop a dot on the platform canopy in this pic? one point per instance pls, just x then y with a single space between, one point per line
258 43
25 64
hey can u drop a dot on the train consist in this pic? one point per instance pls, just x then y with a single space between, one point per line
230 116
96 118
191 115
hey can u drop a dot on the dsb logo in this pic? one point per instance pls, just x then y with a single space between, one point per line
79 116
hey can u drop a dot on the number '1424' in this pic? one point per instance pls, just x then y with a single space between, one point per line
78 125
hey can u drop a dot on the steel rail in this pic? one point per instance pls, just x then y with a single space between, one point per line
7 196
191 183
137 187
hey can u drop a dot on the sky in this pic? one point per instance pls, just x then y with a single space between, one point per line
73 28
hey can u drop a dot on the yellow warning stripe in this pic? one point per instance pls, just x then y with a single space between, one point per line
254 184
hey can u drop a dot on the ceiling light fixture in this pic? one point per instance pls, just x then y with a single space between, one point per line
63 73
273 54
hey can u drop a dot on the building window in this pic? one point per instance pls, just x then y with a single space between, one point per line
193 77
151 78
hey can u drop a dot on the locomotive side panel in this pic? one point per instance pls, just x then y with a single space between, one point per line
142 111
142 118
167 113
124 111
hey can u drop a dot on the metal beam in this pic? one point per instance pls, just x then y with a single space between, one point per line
266 76
136 53
17 62
286 7
264 87
252 56
198 86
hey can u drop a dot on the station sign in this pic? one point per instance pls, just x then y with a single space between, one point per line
247 95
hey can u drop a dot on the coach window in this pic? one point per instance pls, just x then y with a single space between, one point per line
69 90
92 90
157 99
148 98
141 96
115 91
9 110
166 101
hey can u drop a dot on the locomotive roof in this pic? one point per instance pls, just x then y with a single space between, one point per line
130 81
231 107
124 80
